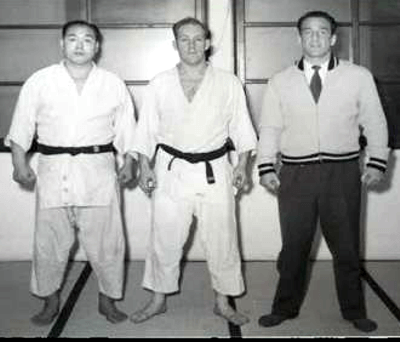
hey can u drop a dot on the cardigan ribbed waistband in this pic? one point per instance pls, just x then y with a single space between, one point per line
315 158
322 157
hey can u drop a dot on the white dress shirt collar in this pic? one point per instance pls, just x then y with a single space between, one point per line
309 71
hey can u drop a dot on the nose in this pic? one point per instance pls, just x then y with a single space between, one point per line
315 35
79 44
191 45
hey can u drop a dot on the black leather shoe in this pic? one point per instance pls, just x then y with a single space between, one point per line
273 319
364 324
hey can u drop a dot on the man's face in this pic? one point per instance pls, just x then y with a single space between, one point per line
316 38
191 44
79 45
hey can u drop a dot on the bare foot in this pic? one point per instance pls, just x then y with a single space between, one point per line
231 315
108 309
156 306
223 309
49 312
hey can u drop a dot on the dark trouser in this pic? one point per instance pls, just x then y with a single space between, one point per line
332 193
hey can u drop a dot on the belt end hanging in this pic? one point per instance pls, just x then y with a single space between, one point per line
209 173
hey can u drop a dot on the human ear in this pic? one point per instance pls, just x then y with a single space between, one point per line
208 44
333 39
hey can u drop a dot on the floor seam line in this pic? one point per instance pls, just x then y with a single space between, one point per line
69 304
383 296
234 330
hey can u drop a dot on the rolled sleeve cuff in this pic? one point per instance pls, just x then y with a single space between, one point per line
25 145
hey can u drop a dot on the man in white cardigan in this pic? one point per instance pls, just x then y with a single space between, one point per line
310 117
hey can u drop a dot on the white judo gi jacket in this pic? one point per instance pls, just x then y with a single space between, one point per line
50 108
217 111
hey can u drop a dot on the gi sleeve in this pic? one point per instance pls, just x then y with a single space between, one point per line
241 129
145 140
23 124
270 125
125 123
373 121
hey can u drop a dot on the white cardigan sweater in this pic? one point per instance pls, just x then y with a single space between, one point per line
302 131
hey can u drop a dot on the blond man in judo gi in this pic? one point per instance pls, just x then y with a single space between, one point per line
192 116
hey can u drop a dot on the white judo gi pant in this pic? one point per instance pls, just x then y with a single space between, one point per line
181 193
100 233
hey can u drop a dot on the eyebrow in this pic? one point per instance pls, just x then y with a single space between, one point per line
86 35
186 35
321 28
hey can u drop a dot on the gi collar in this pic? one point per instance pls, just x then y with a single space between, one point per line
333 63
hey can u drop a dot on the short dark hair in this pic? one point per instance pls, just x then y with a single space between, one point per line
93 27
190 21
318 14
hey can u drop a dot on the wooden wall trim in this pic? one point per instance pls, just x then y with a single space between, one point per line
240 51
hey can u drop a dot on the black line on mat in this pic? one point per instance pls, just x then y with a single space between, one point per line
390 304
234 330
66 311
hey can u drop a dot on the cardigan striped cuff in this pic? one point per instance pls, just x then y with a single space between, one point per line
377 163
265 168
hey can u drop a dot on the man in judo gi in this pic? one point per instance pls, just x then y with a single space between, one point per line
79 114
190 117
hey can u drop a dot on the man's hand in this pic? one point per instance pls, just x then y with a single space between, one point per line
371 176
125 173
24 175
147 181
270 181
240 180
147 178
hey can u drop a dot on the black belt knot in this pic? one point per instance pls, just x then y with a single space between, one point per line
193 158
48 150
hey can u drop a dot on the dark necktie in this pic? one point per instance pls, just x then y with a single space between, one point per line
316 83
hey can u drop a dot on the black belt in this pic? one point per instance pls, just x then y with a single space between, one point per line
46 149
205 157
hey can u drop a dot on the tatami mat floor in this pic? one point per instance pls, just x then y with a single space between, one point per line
190 311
